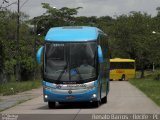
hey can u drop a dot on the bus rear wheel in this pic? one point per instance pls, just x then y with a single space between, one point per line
51 104
123 77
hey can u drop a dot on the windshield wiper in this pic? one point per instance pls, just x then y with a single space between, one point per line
60 76
79 74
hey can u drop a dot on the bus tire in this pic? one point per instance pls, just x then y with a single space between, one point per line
104 100
51 105
96 104
123 77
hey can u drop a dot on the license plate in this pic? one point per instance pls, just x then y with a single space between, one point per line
70 97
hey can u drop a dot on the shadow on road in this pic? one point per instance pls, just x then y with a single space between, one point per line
82 105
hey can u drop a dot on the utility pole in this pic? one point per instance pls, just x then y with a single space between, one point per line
17 43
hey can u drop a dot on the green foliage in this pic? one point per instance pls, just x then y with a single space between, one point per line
54 17
9 66
15 87
86 21
8 44
63 12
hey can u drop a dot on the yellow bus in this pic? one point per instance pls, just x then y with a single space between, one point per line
122 69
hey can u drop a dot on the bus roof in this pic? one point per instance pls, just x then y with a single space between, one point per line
72 34
121 60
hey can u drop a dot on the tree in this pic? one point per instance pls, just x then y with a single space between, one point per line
132 38
54 17
8 45
86 21
158 10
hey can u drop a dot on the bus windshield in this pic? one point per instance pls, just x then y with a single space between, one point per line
70 61
122 65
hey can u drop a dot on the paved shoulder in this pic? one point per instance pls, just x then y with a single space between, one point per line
12 100
125 98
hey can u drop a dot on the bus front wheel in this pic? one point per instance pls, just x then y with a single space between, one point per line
104 100
96 104
51 104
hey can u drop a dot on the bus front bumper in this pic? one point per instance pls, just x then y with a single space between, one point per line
71 95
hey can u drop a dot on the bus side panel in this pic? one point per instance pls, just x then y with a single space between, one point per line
131 74
103 84
117 74
105 66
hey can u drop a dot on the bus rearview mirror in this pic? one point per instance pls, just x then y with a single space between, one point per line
100 54
39 54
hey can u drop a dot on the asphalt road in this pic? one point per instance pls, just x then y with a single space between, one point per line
123 98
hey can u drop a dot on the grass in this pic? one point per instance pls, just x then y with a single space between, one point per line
16 87
149 86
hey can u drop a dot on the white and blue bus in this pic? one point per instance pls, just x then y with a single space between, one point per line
75 62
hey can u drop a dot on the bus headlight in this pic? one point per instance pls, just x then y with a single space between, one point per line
45 96
94 96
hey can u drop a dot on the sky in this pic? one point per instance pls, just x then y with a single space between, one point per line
90 7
